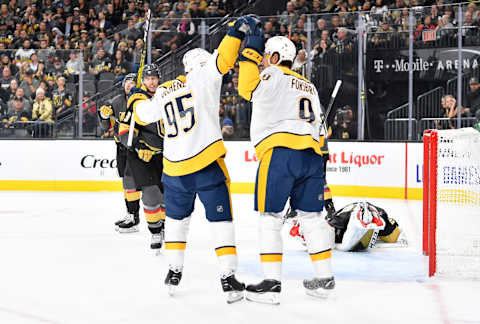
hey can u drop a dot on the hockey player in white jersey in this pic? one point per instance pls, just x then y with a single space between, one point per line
285 130
194 156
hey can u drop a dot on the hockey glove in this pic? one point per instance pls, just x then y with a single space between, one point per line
254 46
237 28
106 111
143 151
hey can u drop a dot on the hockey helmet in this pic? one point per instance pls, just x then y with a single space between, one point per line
150 70
195 58
130 76
281 45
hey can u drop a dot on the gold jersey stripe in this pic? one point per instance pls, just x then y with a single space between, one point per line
175 245
223 166
197 162
273 257
321 255
262 180
226 250
290 140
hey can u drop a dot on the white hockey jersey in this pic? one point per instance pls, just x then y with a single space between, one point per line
190 114
286 111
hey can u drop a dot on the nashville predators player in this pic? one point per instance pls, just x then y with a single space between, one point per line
144 161
111 115
194 156
286 132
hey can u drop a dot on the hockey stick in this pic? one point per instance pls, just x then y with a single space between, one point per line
140 72
330 104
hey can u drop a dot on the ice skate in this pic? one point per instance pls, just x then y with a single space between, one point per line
172 280
232 288
129 224
267 292
320 288
118 222
157 242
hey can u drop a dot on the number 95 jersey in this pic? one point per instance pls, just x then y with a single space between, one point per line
286 112
189 108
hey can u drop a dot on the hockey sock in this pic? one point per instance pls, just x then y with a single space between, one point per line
319 238
175 242
132 200
155 216
271 246
152 206
224 238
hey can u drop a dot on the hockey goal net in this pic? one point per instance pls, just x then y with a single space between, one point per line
451 202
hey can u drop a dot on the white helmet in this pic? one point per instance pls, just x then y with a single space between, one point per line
195 58
283 46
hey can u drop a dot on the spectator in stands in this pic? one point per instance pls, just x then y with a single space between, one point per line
24 53
57 67
120 66
100 63
18 114
196 13
300 63
227 128
343 125
343 44
427 25
42 107
6 77
29 83
62 101
186 28
383 36
11 90
472 101
74 64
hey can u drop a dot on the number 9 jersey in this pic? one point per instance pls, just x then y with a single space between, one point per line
189 108
286 110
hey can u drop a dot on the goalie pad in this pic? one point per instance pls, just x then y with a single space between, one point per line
362 230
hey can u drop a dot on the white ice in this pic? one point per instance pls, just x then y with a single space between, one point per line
62 262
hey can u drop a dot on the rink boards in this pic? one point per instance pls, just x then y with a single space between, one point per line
357 169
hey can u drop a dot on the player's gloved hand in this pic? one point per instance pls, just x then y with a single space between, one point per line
237 28
143 151
106 111
254 45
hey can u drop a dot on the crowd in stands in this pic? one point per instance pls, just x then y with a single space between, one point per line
44 45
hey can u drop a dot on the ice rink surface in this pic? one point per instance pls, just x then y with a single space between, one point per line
62 262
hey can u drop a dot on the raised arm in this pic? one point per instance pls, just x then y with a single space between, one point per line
252 55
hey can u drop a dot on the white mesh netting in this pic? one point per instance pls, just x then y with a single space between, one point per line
458 203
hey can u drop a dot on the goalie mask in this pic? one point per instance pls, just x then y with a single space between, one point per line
195 58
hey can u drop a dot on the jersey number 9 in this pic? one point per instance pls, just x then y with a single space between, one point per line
181 109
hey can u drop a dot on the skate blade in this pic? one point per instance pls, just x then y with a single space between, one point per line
157 252
116 228
132 229
233 296
321 293
270 298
